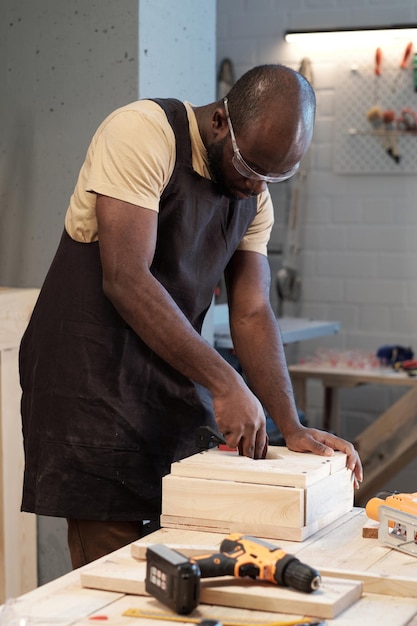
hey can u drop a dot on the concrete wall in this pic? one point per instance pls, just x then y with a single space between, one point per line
358 260
65 66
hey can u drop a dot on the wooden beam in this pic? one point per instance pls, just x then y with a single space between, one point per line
387 445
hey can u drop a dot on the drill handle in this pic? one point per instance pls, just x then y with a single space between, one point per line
217 564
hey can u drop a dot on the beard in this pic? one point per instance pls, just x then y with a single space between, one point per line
215 163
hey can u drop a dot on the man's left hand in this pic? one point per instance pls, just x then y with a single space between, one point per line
324 443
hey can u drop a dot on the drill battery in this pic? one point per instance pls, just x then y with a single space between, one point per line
172 578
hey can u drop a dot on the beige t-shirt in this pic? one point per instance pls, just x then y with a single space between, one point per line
131 158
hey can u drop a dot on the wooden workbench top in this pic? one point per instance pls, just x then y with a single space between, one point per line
351 377
340 546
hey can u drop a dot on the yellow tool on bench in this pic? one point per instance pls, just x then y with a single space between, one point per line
186 619
397 516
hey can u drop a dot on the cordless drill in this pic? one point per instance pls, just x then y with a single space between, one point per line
175 579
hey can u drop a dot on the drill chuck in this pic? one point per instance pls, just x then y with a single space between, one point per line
290 572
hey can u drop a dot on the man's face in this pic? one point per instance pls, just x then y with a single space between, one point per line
231 183
242 164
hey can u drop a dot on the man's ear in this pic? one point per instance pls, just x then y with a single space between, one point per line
219 125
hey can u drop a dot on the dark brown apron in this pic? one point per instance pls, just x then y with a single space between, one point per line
103 416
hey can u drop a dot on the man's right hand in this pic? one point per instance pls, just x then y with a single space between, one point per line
241 419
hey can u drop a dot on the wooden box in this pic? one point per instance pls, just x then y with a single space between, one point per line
289 495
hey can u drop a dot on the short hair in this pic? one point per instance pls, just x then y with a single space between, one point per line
267 85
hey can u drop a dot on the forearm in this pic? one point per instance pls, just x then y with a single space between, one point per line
258 345
151 312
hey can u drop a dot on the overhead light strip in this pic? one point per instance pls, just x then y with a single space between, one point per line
370 34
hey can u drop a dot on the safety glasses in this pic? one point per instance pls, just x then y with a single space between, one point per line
243 168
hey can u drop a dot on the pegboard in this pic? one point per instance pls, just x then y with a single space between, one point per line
357 149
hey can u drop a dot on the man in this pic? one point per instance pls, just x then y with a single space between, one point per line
116 378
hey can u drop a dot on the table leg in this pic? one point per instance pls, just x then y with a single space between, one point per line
331 409
299 386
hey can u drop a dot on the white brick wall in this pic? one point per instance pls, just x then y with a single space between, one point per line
359 233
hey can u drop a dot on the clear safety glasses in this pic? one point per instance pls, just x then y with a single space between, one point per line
243 168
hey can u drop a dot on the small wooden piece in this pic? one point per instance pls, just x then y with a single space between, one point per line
370 529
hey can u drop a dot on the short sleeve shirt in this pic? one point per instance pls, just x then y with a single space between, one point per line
131 158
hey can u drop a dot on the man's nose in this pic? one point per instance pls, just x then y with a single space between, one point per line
255 186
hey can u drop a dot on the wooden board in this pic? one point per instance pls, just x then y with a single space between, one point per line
127 575
196 542
266 531
274 512
282 467
370 609
62 608
384 578
18 553
226 501
370 529
16 306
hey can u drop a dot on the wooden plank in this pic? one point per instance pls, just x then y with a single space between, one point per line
189 543
178 534
337 551
383 584
345 548
16 306
282 467
18 562
335 595
18 566
351 377
226 501
266 531
370 609
62 608
370 529
391 585
323 497
115 614
194 540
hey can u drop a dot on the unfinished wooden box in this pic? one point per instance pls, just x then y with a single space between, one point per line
287 495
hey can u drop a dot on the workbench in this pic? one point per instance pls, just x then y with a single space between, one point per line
390 442
389 582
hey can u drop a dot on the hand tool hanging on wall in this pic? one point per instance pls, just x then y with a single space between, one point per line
384 122
288 281
225 78
404 63
377 72
415 72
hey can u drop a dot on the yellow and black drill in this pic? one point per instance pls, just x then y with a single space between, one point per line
175 579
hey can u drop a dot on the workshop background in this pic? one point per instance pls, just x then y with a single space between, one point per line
66 65
357 259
